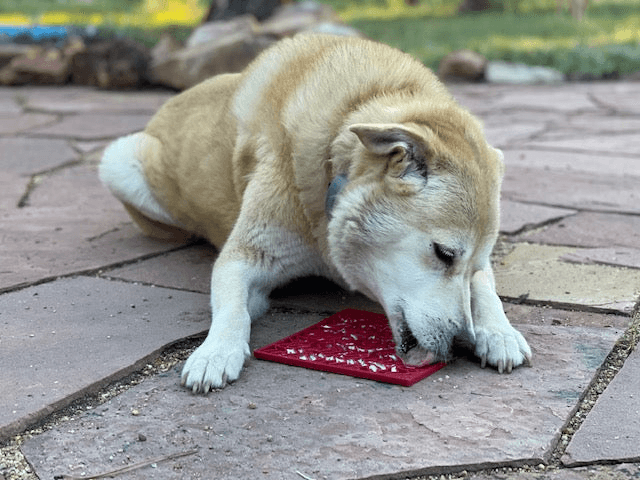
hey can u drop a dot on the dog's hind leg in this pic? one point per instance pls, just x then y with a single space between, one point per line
121 170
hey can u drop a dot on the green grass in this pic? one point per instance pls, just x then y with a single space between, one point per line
605 43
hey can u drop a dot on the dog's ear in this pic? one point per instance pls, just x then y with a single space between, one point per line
404 147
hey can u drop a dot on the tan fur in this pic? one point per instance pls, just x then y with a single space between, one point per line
245 161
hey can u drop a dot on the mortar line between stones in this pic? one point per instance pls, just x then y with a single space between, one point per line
90 271
36 178
569 207
523 300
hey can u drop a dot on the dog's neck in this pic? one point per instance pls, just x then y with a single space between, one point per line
335 187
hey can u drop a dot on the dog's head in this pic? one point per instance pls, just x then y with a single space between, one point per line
417 217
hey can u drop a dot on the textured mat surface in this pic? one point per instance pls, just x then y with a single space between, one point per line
351 342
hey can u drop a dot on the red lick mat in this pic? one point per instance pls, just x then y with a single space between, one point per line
351 342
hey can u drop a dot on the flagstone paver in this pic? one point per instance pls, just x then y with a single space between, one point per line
75 99
570 162
64 339
515 216
611 431
88 126
622 143
288 419
28 156
618 256
68 223
538 273
589 229
570 209
580 190
11 123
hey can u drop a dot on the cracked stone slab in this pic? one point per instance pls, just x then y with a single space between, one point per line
570 162
627 143
611 431
12 187
9 101
501 137
190 269
514 216
91 126
518 313
71 223
508 118
537 273
575 190
590 229
562 98
62 340
186 269
620 97
281 420
27 156
620 256
590 124
77 99
11 123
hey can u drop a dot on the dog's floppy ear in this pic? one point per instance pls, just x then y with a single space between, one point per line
405 147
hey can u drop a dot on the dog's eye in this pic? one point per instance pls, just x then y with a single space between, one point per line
444 254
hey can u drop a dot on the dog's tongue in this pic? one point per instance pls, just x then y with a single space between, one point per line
417 357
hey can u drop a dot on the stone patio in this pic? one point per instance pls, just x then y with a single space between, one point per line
89 307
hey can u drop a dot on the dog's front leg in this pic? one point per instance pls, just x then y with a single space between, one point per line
497 342
235 297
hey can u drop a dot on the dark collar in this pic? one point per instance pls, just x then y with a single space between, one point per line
335 187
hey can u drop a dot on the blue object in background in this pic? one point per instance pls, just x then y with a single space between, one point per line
35 33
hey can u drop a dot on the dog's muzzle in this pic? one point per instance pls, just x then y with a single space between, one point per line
409 349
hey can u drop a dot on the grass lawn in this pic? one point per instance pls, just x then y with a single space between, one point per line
605 42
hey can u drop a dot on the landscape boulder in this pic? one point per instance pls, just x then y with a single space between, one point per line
120 63
519 73
298 17
228 46
462 65
228 53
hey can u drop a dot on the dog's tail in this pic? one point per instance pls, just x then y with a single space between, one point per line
121 170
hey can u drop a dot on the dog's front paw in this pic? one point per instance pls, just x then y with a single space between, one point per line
213 364
502 347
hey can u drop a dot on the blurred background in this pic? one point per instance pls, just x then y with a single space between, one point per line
576 39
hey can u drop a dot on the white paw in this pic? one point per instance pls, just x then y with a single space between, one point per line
213 364
501 346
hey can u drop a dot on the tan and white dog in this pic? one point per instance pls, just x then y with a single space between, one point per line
327 156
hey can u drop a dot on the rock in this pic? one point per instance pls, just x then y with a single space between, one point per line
246 25
119 63
519 73
164 48
191 65
296 17
462 65
226 9
9 51
228 46
42 65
